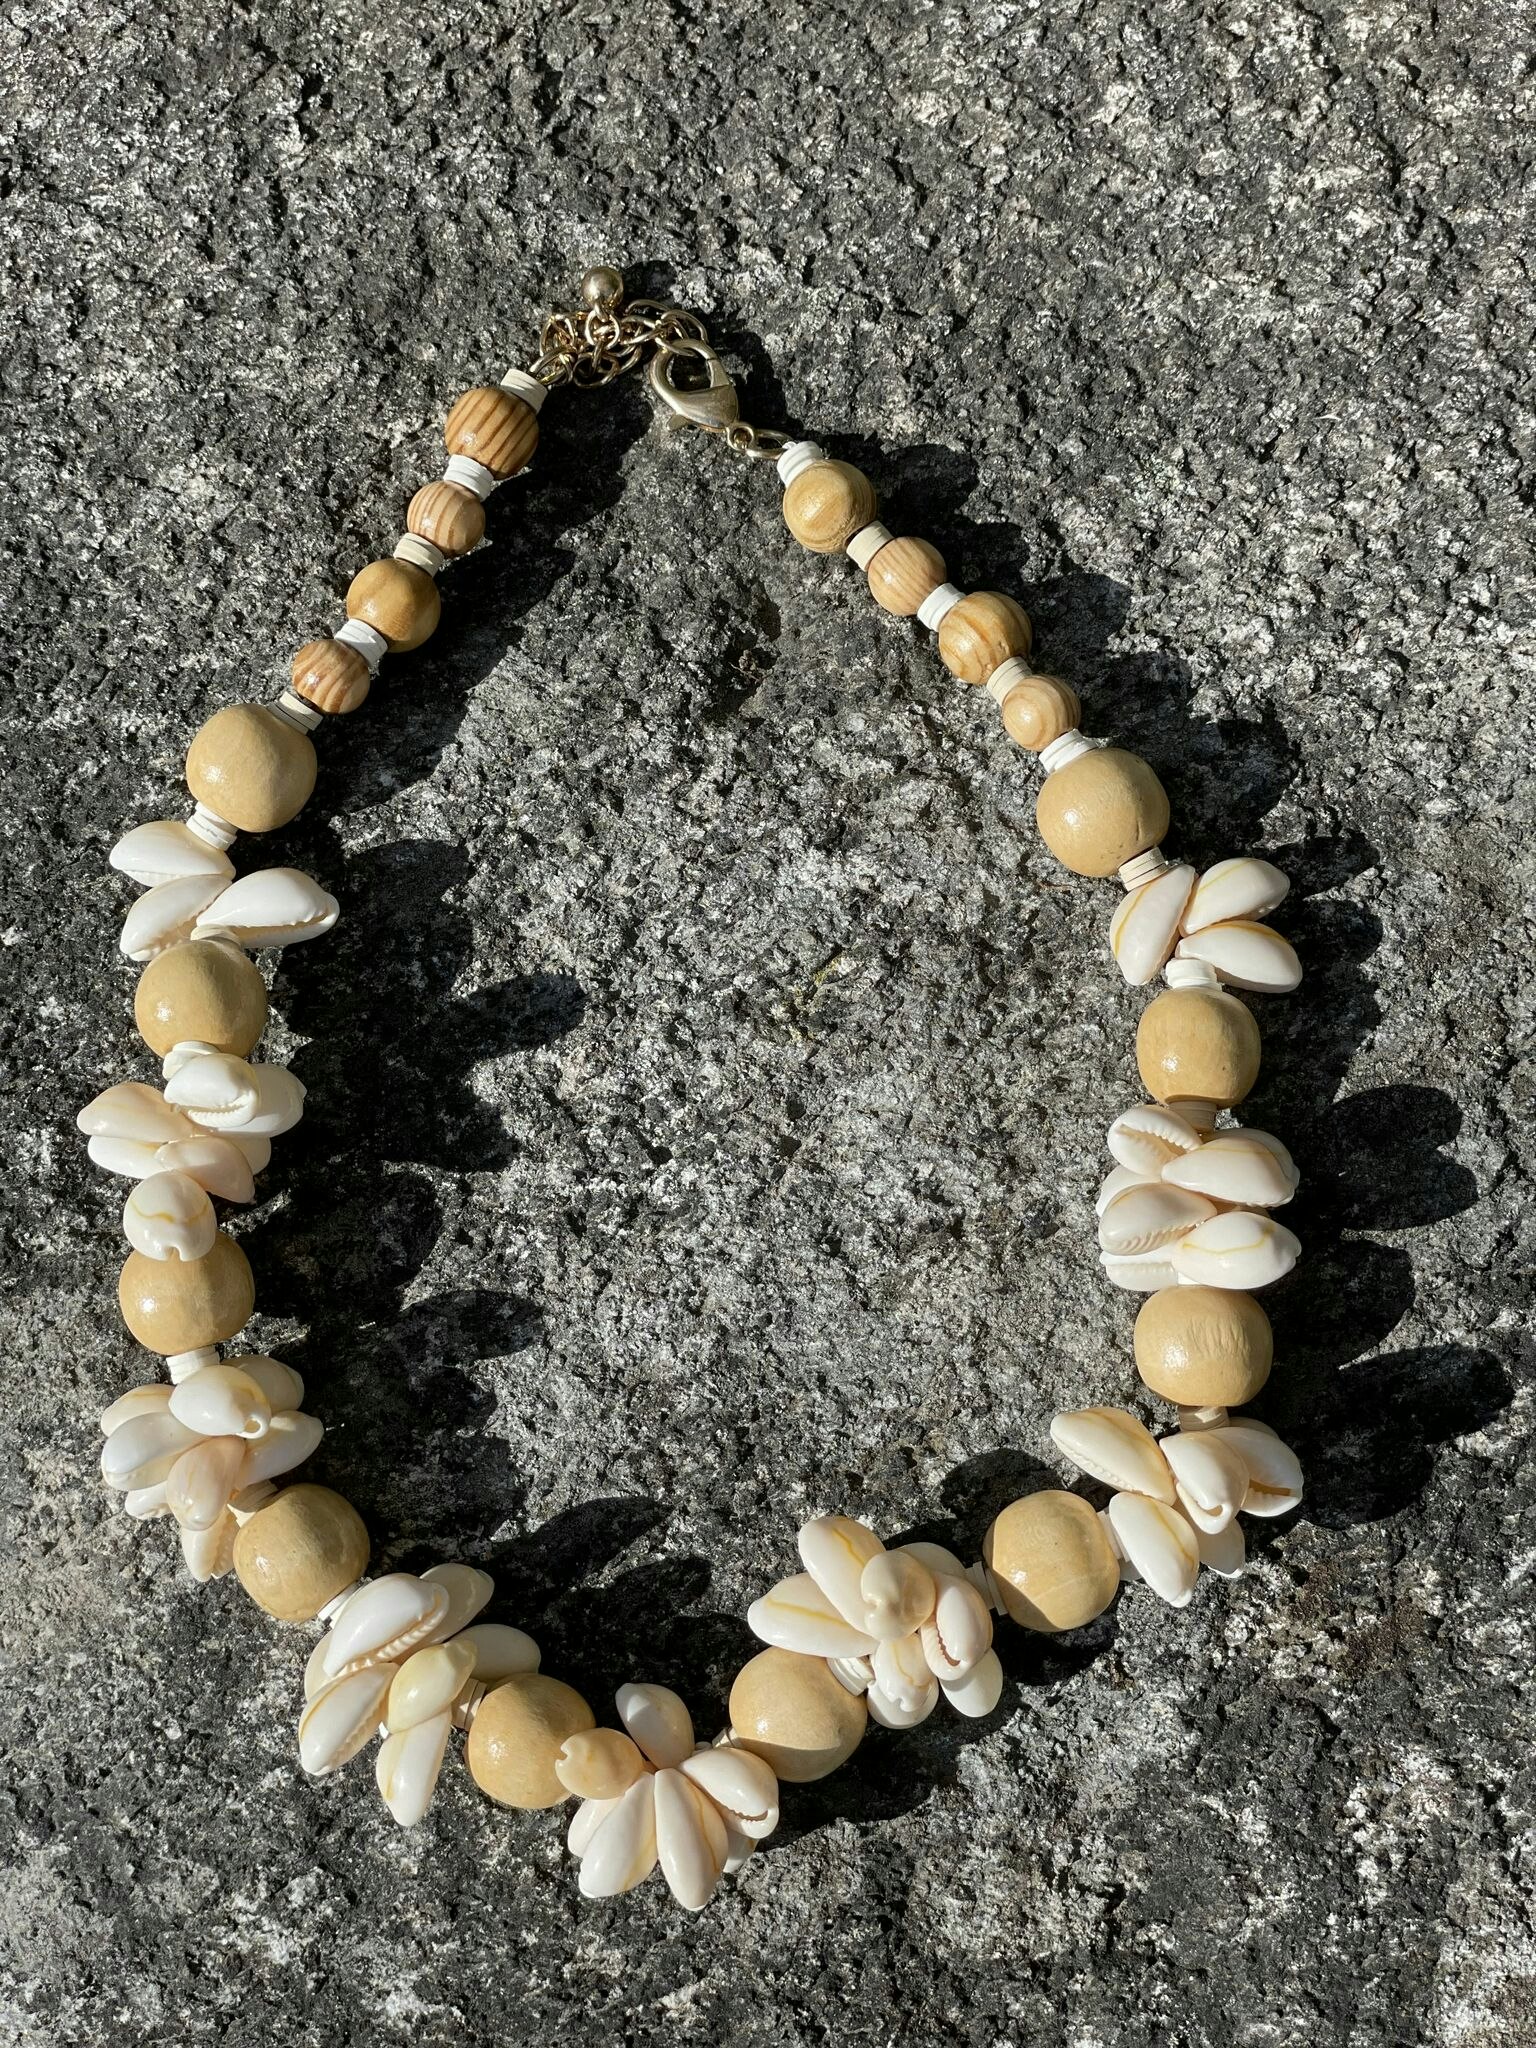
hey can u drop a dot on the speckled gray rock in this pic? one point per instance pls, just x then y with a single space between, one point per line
709 1072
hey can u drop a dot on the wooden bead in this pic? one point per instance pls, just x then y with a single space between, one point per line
298 1552
1204 1347
251 767
981 631
1052 1561
1198 1045
175 1305
449 516
1038 710
793 1713
1100 810
398 600
330 675
205 989
517 1733
827 504
493 427
903 573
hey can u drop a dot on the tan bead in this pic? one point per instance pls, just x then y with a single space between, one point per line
449 516
599 1763
1052 1561
330 675
827 504
493 427
518 1731
1038 710
980 632
1100 810
1198 1045
398 600
251 767
298 1552
205 989
1204 1347
903 573
795 1715
173 1305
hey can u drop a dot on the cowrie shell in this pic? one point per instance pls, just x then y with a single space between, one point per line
599 1763
165 915
501 1651
740 1784
1242 887
691 1844
221 1400
290 1439
898 1595
169 1216
133 1111
273 907
199 1484
960 1632
1147 1136
341 1718
1224 1551
621 1852
909 1712
1274 1470
979 1691
902 1674
941 1562
141 1451
217 1165
1112 1446
468 1590
224 1093
1141 1273
1211 1478
1236 1248
153 1399
1148 1216
1246 1167
585 1822
657 1722
796 1615
1116 1181
385 1619
209 1553
1246 955
427 1684
407 1766
835 1549
282 1386
1160 1543
1145 926
166 850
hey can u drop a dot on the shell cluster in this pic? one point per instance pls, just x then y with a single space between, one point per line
1179 915
1186 1205
900 1626
197 899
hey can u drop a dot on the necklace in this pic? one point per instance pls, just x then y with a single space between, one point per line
862 1632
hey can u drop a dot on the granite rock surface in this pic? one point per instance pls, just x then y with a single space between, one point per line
708 1075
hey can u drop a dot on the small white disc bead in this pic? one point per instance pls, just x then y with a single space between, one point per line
421 554
797 456
182 1364
370 644
868 542
211 828
295 712
1067 748
528 389
1003 678
1143 866
938 604
469 475
1191 974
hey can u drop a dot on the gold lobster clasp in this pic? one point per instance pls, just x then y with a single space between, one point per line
689 378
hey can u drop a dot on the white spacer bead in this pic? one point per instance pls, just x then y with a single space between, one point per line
868 542
938 604
1191 974
421 554
211 828
470 475
1069 747
1143 866
182 1364
369 642
799 455
250 1500
1003 678
1199 1113
980 1576
528 389
853 1674
294 711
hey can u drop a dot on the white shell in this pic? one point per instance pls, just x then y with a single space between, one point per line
144 1503
657 1722
796 1615
886 1712
210 1553
834 1550
941 1562
1223 1552
216 1164
141 1451
1246 955
1147 1136
283 1387
1145 926
960 1632
501 1651
1274 1471
199 1484
427 1683
1247 1167
385 1619
164 916
166 850
168 1216
221 1400
1116 1181
585 1822
1112 1446
902 1675
291 1438
1139 1274
690 1839
273 907
621 1852
1147 1217
1244 887
898 1593
341 1717
741 1785
407 1765
1237 1248
125 1156
134 1111
224 1093
1211 1478
979 1691
153 1399
1159 1543
468 1590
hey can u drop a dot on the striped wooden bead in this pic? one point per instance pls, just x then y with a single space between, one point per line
827 504
494 427
903 573
980 633
330 676
447 515
1039 709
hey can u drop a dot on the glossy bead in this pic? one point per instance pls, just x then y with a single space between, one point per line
450 517
793 1713
981 632
398 600
827 504
298 1552
251 767
203 989
331 676
1052 1561
1197 1045
1100 810
903 573
493 427
516 1737
1203 1347
1038 710
175 1305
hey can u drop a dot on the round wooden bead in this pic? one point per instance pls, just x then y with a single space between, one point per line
981 631
1040 709
452 518
330 675
793 1713
173 1305
1052 1561
1198 1045
398 600
1204 1347
251 767
827 504
1100 810
903 573
493 427
518 1731
298 1552
204 989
